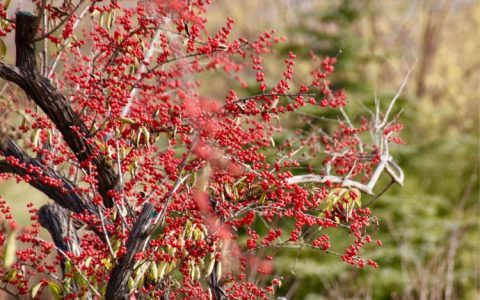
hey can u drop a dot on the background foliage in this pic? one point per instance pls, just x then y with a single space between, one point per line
430 227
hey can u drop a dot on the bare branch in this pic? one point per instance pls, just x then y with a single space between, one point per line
141 71
379 139
312 178
63 194
60 24
397 95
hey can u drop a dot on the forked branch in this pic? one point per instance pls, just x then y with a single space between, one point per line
54 104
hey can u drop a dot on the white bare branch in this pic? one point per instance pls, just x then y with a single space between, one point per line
386 163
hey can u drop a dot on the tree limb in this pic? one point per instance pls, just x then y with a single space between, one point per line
64 194
117 287
55 219
54 104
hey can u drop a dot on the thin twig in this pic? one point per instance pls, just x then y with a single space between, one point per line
59 25
141 71
290 245
107 239
381 193
64 45
397 95
97 293
350 125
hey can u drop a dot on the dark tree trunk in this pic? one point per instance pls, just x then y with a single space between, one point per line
55 217
117 288
54 104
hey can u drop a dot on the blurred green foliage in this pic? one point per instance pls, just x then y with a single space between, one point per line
432 223
429 227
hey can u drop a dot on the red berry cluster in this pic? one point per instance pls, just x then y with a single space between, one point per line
142 80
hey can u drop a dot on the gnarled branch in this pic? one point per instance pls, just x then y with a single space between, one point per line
55 219
117 288
64 194
54 104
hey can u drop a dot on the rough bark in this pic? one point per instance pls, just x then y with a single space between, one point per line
117 288
55 219
54 104
75 133
64 194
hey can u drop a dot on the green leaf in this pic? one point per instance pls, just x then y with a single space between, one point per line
262 197
10 275
56 290
110 18
9 252
35 289
79 280
154 271
68 267
3 49
130 283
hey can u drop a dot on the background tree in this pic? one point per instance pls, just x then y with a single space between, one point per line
159 187
429 228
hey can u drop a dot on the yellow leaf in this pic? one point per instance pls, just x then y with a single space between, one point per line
197 273
219 270
3 49
102 19
126 120
110 18
56 290
35 289
161 269
154 271
210 264
9 252
146 134
36 137
262 198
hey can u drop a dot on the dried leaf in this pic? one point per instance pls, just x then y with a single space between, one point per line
110 18
9 252
35 289
56 290
7 4
3 49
